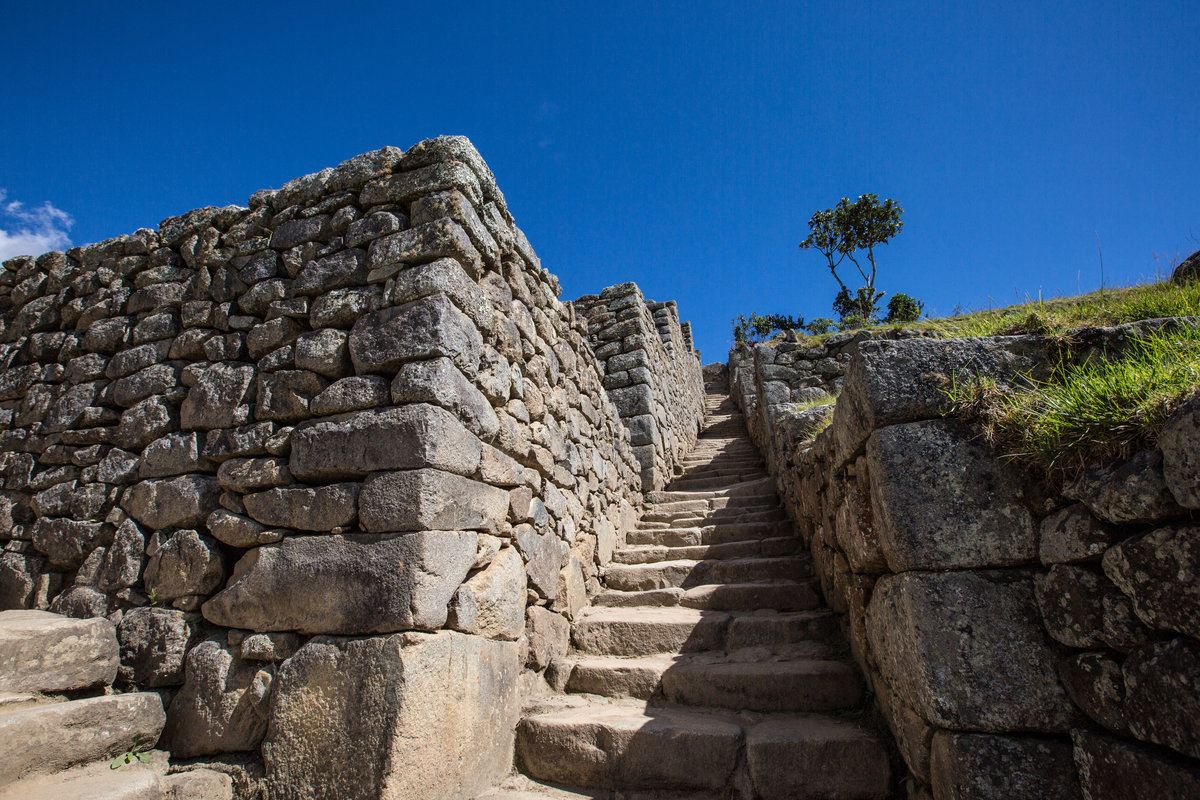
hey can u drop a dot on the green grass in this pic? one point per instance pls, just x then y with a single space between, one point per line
1060 314
1099 410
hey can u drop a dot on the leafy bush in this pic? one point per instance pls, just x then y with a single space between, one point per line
902 308
759 327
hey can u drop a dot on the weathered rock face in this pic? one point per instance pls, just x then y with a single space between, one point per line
302 415
982 603
410 715
42 652
967 650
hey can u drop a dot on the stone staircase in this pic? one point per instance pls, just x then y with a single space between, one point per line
61 727
709 668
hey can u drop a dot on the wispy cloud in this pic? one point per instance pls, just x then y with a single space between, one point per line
31 231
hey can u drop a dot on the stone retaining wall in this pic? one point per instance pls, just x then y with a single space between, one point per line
340 465
651 372
1022 639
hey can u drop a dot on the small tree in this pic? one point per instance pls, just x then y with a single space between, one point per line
902 308
847 228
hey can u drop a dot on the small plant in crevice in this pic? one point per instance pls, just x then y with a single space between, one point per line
136 752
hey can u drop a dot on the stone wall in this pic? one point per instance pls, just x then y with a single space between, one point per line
1023 638
651 372
340 465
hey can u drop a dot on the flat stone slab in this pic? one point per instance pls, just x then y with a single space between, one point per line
814 758
44 652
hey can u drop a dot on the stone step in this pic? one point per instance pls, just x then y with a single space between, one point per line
715 482
800 685
724 507
99 781
645 554
44 652
687 573
774 514
52 737
645 631
805 679
710 534
775 595
627 745
729 469
763 486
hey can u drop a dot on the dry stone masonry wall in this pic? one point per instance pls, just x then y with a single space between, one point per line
340 465
652 374
1022 640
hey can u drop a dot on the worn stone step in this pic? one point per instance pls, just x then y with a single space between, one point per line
44 652
98 781
774 628
685 483
800 685
710 534
645 554
617 630
653 597
826 757
776 514
727 467
51 737
705 508
763 486
686 573
625 745
778 595
615 676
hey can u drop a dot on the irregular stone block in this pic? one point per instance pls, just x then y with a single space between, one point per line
420 244
154 643
431 327
1072 534
285 395
942 500
1161 701
43 652
302 508
342 308
342 269
124 559
148 420
354 445
1180 446
544 564
890 382
439 382
1095 683
222 707
270 646
238 531
1112 769
445 276
411 715
66 542
349 584
429 499
355 393
967 650
220 398
1132 492
246 441
454 205
186 564
1072 603
549 636
81 602
975 766
174 454
324 352
404 187
1157 572
250 474
492 602
173 503
298 231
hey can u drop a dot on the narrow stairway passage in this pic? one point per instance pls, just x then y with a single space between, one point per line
709 667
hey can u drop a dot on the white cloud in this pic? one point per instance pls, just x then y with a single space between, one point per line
31 231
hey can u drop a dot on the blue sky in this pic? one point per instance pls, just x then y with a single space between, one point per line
680 145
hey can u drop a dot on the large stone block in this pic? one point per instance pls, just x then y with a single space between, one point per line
431 327
1112 769
154 643
429 499
445 276
183 502
1162 703
1180 446
943 501
1134 491
889 382
1158 572
305 508
405 716
43 652
492 602
420 244
67 542
967 650
976 766
346 584
439 382
221 398
186 564
222 707
408 437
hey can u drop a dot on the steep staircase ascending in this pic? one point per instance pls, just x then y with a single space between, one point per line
709 668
